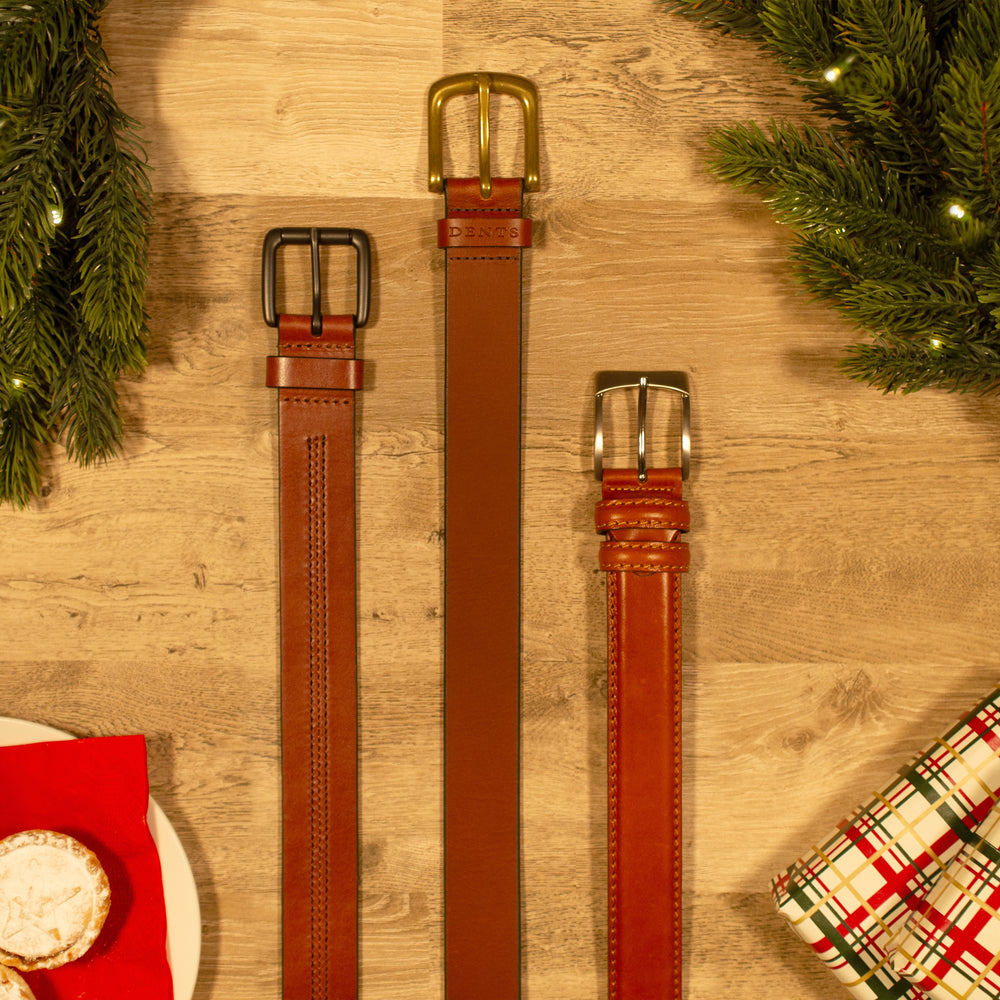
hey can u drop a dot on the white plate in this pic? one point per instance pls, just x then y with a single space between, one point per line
179 891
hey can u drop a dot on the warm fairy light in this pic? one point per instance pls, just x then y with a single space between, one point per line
55 206
935 343
833 73
17 383
956 211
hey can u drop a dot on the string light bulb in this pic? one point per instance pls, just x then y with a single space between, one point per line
55 207
832 74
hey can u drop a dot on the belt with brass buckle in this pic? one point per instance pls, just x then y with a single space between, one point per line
317 374
642 515
483 235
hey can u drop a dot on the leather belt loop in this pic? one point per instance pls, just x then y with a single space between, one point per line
483 233
317 376
642 520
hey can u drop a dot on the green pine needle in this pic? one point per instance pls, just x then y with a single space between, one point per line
23 432
896 202
739 17
74 217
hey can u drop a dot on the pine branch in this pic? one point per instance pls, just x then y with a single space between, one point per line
32 35
740 18
28 203
22 434
112 256
975 36
74 215
906 368
36 334
817 184
896 203
831 264
801 34
88 403
940 312
986 276
970 131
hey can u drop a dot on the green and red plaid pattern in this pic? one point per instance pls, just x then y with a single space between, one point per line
952 951
853 898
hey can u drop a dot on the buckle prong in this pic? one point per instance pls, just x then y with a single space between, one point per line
640 461
482 84
643 381
314 238
485 178
316 325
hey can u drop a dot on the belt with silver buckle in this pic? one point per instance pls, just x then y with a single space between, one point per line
317 374
483 235
642 515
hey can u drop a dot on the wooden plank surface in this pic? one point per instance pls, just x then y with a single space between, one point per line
840 610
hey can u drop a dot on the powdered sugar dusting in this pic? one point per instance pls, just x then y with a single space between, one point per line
54 896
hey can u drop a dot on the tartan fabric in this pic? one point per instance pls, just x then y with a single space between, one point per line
852 898
952 951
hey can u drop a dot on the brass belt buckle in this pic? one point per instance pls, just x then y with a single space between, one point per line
315 238
643 381
483 84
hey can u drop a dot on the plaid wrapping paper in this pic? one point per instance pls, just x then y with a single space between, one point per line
852 898
952 951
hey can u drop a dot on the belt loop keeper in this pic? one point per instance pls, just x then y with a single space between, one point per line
331 374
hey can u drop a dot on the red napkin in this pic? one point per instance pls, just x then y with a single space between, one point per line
97 790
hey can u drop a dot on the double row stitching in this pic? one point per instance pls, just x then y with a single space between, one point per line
467 260
648 523
613 653
641 567
291 348
678 747
643 489
322 400
654 502
318 721
652 546
471 213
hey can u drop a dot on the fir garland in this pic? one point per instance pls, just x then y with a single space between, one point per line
74 213
895 204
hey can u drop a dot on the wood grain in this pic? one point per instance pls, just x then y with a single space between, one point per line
840 611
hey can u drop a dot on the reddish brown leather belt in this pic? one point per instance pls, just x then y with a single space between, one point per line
483 235
642 515
317 374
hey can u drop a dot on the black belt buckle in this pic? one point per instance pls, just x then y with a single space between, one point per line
314 238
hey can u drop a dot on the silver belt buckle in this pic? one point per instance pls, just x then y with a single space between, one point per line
609 381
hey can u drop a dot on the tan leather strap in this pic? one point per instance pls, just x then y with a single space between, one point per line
482 589
483 235
317 375
643 557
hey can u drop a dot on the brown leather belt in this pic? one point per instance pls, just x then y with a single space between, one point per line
642 515
483 235
317 374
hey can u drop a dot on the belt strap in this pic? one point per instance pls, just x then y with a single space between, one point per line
316 375
483 235
642 515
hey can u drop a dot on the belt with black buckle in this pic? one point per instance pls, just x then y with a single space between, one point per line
642 515
483 235
317 374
